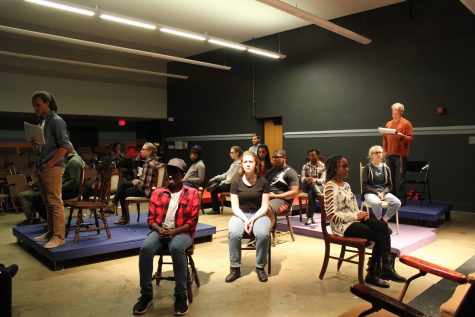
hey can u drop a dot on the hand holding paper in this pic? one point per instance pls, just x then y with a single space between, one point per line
34 133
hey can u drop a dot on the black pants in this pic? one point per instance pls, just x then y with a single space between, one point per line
373 230
126 189
312 191
5 293
215 189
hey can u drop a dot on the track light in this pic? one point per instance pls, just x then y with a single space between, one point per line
127 21
62 7
263 53
227 44
183 34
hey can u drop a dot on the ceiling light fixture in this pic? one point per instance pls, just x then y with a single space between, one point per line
182 33
316 20
127 21
63 7
263 53
227 44
470 4
114 48
102 66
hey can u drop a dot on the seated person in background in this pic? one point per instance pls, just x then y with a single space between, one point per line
116 155
283 186
6 275
172 217
377 185
31 202
195 175
264 160
347 220
222 183
138 187
25 198
313 179
250 202
256 140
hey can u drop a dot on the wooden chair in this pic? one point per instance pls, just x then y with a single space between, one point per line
354 243
192 273
161 177
366 206
99 202
287 214
21 164
303 197
462 302
17 184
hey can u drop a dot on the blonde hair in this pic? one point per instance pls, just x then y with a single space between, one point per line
256 159
152 148
372 149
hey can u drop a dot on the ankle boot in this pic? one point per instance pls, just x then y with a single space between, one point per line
373 274
234 274
388 272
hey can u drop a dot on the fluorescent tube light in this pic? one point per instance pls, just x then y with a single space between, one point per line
62 7
227 44
127 21
184 34
263 53
304 15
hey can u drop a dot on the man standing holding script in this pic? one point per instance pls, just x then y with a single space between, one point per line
51 166
396 149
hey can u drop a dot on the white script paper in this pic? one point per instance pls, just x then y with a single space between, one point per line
34 133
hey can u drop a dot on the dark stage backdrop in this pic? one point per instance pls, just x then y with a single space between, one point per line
421 55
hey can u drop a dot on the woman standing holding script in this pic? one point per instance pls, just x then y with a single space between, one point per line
396 149
51 166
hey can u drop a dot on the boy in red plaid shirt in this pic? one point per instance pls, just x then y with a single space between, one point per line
173 216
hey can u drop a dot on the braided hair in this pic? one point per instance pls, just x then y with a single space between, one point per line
331 165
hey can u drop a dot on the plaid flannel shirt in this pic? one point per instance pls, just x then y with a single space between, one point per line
149 176
317 172
188 208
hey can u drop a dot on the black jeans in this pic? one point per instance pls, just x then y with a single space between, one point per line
5 293
126 189
398 166
311 190
215 189
373 230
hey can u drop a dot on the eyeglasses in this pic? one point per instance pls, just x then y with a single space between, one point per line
232 152
379 152
275 157
144 150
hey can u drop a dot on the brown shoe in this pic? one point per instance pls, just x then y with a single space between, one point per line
120 221
44 237
54 243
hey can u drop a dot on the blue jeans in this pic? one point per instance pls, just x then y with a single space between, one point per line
260 229
393 202
153 244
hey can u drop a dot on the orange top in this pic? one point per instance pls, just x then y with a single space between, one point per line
394 144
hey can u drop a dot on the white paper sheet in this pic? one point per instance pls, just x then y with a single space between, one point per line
386 131
34 132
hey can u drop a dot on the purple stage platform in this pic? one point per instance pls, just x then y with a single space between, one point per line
410 238
124 238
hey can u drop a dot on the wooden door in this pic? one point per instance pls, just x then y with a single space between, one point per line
273 134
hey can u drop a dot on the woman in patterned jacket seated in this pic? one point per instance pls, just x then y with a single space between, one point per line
347 220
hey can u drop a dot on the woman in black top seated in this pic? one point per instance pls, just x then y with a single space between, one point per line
249 201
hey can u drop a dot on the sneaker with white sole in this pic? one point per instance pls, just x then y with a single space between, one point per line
181 305
144 303
54 243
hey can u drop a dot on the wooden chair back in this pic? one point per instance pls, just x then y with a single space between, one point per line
17 183
104 179
161 175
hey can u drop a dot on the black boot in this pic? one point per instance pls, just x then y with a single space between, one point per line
388 272
374 267
233 275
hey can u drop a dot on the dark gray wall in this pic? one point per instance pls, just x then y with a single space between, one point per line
421 55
